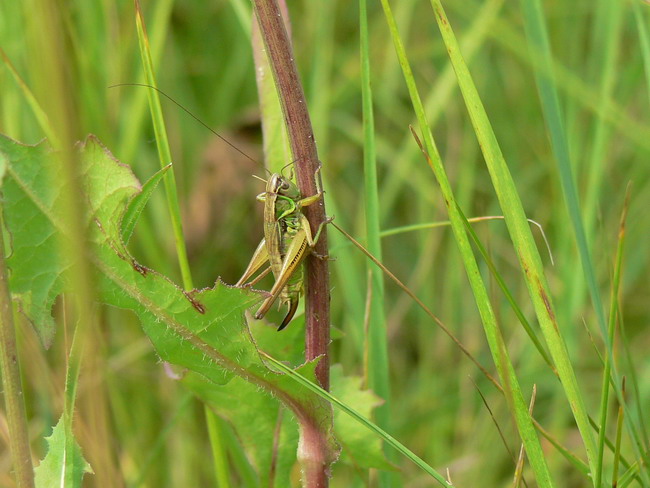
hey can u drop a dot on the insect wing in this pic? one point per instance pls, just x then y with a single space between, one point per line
260 257
295 254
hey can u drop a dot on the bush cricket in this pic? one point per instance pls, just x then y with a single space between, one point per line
287 234
287 240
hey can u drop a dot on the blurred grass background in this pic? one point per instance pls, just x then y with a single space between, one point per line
137 427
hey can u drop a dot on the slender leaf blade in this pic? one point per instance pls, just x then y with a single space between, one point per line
64 465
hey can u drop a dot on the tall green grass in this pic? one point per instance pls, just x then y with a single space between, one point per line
565 91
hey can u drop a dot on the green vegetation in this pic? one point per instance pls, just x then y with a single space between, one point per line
525 111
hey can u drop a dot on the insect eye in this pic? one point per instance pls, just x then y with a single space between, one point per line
284 185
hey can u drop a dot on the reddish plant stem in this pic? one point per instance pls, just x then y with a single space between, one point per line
303 146
314 453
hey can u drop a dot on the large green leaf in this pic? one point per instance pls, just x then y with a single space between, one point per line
203 330
35 261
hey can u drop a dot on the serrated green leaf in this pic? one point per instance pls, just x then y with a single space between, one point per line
203 330
64 465
36 263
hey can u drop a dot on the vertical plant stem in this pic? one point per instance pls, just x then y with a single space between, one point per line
619 433
219 458
303 146
613 316
313 449
12 389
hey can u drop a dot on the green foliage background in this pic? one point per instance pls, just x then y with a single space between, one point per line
139 428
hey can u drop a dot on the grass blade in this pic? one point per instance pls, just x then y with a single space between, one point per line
378 362
390 440
513 392
164 152
520 234
538 39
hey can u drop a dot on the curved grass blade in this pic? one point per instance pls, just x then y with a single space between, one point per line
164 152
390 440
136 206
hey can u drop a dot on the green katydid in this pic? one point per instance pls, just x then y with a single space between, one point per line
287 240
287 234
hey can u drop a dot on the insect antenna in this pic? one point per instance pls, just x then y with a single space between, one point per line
261 179
193 116
286 166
